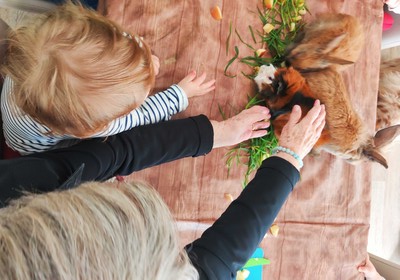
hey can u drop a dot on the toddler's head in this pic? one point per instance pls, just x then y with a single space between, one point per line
75 71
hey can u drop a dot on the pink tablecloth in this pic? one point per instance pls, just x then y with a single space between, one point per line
324 224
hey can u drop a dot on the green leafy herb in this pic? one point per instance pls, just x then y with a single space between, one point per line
286 17
228 38
256 262
230 62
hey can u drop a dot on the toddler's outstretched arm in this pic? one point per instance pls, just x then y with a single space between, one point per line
194 85
163 105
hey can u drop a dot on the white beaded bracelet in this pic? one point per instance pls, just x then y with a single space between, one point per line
290 152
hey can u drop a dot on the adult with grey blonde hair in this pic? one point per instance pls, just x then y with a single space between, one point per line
97 231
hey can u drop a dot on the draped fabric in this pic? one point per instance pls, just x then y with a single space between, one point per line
324 224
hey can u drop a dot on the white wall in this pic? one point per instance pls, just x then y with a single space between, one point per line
387 269
391 37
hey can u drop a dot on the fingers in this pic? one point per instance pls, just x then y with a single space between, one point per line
261 125
321 116
313 114
258 116
189 77
320 121
208 86
256 113
295 115
257 119
200 79
258 133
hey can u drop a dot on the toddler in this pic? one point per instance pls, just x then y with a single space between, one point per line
74 74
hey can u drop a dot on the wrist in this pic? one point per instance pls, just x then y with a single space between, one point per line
286 152
217 127
182 96
183 89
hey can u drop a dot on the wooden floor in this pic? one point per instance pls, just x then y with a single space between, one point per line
384 233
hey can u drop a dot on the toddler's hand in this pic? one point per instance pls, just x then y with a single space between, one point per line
194 86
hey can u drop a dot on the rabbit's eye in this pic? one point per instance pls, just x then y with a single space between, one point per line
324 63
281 89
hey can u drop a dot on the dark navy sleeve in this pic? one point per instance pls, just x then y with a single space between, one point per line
89 3
101 159
227 245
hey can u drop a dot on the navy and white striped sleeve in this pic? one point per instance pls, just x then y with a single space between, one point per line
21 132
156 108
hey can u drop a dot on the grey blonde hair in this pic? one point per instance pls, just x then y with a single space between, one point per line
95 231
75 71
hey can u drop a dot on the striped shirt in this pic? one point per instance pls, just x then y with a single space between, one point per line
25 135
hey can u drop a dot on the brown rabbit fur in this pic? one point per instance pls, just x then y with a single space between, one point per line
344 134
332 40
388 107
325 46
388 110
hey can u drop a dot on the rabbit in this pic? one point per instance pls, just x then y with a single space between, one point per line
344 134
332 40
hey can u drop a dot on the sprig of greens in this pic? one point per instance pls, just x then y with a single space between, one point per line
281 21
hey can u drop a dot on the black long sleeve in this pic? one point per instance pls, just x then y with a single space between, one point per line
226 246
100 159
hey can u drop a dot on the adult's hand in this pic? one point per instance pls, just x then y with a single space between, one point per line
248 124
301 136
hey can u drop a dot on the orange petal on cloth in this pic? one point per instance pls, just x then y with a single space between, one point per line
228 197
216 13
274 229
269 4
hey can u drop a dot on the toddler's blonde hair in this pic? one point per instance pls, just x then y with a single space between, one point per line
94 231
74 71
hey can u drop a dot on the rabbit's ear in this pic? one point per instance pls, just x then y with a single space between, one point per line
386 136
299 36
296 41
334 43
373 155
337 60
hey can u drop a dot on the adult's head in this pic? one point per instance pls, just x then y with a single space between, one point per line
95 231
74 70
